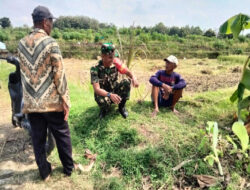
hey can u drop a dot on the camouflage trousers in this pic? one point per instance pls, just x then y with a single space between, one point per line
122 89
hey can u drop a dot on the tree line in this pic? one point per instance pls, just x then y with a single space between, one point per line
84 22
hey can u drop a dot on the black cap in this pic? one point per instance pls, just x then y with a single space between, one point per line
40 13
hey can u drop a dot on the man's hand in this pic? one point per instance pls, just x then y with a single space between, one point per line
155 112
66 111
135 82
115 98
167 88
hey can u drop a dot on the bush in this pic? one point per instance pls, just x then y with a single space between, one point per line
238 51
242 38
56 34
209 33
144 37
219 45
4 36
20 35
66 36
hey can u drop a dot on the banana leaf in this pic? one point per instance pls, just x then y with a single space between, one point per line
235 24
245 103
241 132
245 80
238 94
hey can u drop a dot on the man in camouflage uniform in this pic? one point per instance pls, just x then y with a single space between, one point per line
104 78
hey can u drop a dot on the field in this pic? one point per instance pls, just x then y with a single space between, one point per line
140 152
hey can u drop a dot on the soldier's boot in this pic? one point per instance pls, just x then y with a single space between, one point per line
103 113
122 109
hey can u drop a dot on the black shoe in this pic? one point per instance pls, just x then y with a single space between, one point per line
102 113
123 112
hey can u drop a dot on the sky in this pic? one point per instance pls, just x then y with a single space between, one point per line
203 13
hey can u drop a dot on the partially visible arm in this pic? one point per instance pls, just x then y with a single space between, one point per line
60 78
101 92
154 79
98 90
122 68
133 78
180 83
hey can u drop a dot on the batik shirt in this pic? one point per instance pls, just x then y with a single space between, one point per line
42 73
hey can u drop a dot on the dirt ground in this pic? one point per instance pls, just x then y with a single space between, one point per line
18 169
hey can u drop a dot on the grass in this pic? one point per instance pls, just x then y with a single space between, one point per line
141 150
122 144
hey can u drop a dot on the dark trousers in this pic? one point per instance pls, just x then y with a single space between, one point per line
60 130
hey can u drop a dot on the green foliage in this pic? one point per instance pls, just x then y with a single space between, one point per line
238 51
20 35
3 36
245 80
56 33
112 184
144 38
219 45
5 22
241 132
127 138
214 156
77 22
209 33
235 25
248 169
188 45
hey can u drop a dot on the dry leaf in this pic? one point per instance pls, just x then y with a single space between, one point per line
206 180
89 155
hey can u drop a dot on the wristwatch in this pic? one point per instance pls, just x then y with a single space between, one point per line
108 95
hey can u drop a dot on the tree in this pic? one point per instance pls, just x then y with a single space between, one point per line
160 28
5 22
209 33
174 31
81 22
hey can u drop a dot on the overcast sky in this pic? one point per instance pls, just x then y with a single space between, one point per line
204 13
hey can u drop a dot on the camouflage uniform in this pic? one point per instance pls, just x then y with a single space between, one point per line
108 80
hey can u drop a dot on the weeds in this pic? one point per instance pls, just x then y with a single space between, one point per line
212 130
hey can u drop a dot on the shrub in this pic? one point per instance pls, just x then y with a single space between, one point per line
219 45
242 38
4 36
209 33
238 51
20 35
144 37
56 34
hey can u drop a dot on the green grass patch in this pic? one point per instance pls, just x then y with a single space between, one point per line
232 59
121 143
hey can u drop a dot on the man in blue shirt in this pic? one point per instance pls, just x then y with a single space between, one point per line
167 86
